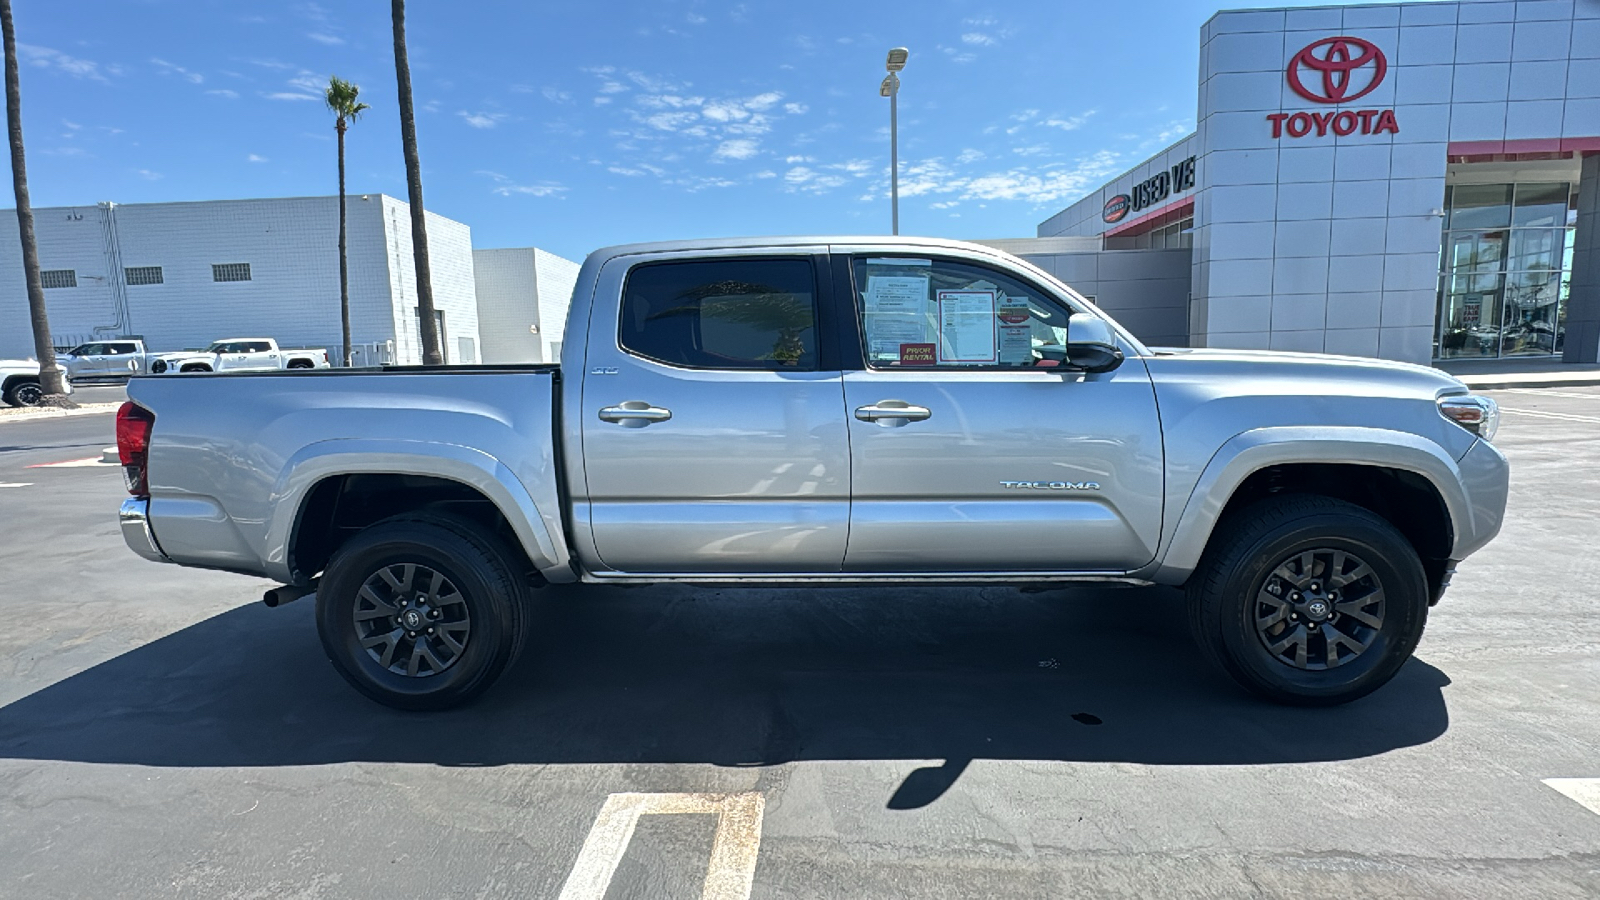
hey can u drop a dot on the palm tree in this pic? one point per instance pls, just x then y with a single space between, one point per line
341 99
50 380
431 355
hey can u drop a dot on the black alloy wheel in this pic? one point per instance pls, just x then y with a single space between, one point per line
423 611
1308 600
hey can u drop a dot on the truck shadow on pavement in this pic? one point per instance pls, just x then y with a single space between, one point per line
734 677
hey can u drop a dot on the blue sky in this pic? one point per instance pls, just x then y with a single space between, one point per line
572 126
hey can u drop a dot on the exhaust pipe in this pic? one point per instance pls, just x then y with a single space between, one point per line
288 593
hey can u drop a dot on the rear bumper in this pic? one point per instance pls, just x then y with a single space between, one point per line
135 519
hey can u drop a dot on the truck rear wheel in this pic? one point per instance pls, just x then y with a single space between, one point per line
1308 600
422 611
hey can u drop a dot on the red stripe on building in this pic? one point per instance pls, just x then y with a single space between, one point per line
1150 221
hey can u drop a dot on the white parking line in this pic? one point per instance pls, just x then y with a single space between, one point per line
6 484
732 872
1545 392
1540 414
1585 791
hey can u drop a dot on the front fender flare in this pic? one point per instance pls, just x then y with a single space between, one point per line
1251 451
471 467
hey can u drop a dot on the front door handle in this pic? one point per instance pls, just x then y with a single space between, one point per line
634 414
892 412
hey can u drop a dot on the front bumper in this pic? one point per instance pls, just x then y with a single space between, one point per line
135 518
1486 480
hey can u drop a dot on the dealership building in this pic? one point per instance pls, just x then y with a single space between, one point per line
181 275
1415 181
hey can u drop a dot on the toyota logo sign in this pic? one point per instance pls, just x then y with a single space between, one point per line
1349 67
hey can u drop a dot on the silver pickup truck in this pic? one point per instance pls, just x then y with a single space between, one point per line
825 411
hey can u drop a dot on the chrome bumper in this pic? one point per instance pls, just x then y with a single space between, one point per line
135 519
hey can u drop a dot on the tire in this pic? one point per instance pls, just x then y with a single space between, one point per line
158 367
1261 609
24 393
480 626
298 364
194 368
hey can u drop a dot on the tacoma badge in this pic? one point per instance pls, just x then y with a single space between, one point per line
1053 485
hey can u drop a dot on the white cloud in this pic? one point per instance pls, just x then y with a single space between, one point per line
796 109
554 95
970 155
330 40
978 38
1069 123
763 101
47 58
536 190
255 158
286 95
224 92
957 55
73 126
735 149
601 101
149 175
695 19
482 120
172 69
309 81
505 187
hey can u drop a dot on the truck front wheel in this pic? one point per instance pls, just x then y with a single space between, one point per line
1308 600
422 612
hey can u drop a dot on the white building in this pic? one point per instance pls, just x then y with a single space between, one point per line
184 274
523 295
1409 181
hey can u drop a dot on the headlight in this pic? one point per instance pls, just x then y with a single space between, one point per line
1479 415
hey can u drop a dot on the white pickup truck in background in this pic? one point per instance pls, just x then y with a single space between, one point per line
19 382
240 355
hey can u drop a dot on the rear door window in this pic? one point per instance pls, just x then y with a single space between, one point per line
723 314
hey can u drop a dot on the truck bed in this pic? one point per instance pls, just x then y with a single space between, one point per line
235 457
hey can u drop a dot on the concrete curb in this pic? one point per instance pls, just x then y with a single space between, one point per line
33 415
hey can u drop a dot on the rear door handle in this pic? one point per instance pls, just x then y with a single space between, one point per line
634 414
896 411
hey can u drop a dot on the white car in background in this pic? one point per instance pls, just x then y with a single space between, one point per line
19 382
240 355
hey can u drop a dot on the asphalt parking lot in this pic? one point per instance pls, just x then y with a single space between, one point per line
163 734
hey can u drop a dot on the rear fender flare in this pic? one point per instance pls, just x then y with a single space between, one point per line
1251 451
474 468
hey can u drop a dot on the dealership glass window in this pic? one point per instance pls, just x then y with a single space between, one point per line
1505 270
936 312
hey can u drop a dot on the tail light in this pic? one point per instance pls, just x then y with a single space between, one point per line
134 424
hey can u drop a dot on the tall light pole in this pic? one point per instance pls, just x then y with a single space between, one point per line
891 89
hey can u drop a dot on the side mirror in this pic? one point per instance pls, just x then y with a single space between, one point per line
1091 345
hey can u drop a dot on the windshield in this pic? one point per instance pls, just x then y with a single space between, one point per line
80 350
215 348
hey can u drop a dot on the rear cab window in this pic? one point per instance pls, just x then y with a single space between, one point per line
922 311
732 313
